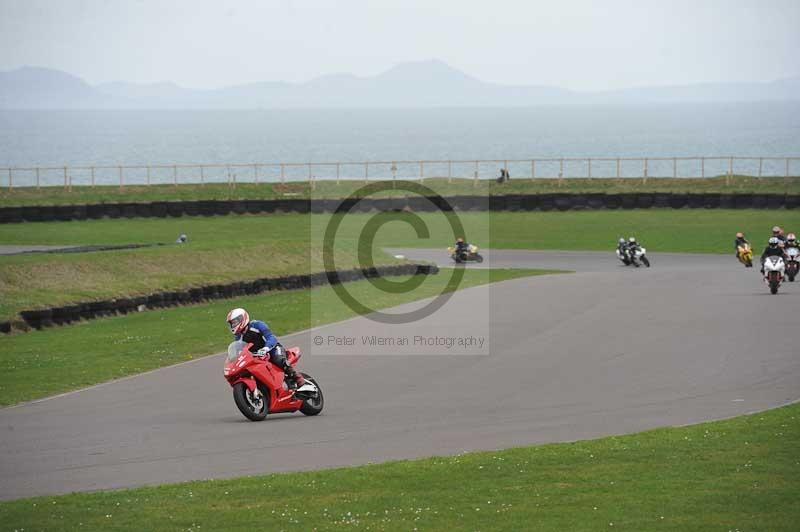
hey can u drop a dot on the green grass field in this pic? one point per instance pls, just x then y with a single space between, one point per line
54 360
234 248
738 474
330 189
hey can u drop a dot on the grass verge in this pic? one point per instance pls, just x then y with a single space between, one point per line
50 361
446 187
737 474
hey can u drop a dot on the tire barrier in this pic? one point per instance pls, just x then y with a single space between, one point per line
612 201
515 202
39 319
696 201
87 249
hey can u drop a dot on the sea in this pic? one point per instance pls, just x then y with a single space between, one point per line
248 145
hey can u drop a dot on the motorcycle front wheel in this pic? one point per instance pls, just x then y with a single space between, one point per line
253 405
478 258
773 288
646 261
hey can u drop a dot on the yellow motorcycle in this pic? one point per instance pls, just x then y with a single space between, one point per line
470 254
745 255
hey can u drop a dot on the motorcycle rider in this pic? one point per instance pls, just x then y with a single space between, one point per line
777 232
740 241
622 247
791 241
773 249
461 246
265 343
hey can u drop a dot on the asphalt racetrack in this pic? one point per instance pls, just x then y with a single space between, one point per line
606 350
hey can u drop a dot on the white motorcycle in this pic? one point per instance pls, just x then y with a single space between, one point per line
628 258
773 273
792 263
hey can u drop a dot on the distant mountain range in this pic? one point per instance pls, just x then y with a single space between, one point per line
416 84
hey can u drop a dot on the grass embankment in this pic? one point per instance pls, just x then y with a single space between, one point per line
234 248
54 360
446 187
737 474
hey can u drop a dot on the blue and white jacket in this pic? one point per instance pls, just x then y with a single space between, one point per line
258 333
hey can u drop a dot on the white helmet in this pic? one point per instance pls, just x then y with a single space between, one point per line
237 320
773 241
621 240
632 240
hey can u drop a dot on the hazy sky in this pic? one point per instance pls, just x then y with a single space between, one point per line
578 44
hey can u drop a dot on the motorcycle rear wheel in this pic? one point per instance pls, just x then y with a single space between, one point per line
247 401
312 407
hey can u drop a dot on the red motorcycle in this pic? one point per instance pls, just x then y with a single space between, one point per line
260 388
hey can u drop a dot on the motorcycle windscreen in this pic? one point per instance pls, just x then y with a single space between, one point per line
234 349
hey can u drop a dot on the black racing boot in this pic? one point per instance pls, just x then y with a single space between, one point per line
293 378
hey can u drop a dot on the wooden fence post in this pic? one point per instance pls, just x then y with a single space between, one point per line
175 175
644 172
730 172
617 167
533 168
674 167
590 167
37 178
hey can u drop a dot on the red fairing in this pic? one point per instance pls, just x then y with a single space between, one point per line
250 370
293 355
248 381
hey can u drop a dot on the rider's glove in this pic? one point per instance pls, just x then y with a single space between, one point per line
261 352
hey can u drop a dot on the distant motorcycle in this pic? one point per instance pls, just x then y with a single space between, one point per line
469 255
774 268
792 263
745 255
634 256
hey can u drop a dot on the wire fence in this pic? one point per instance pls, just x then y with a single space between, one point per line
312 172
